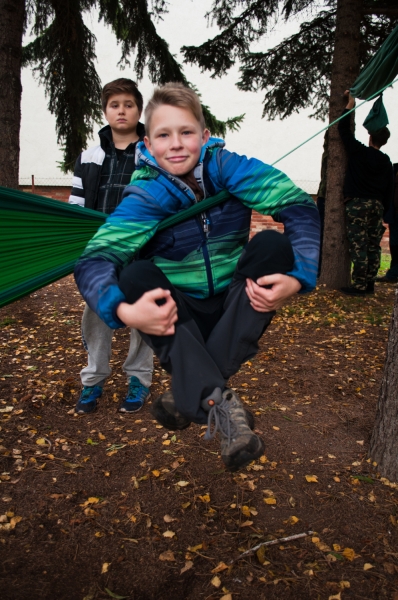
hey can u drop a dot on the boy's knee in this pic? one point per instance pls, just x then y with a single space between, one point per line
268 252
139 277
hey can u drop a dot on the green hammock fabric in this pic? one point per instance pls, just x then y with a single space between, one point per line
41 239
380 71
377 117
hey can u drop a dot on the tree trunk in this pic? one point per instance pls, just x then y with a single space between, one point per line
384 442
12 15
345 68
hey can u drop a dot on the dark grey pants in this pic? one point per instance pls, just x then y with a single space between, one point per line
213 337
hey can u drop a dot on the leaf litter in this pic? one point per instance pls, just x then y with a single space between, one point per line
313 388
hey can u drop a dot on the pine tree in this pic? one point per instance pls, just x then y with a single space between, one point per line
311 68
12 17
63 57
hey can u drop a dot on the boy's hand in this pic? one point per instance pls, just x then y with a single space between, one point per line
266 300
350 100
147 316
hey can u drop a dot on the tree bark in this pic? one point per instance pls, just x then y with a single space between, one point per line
345 68
12 15
384 442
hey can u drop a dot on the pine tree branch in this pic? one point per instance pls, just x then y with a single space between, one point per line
63 58
151 50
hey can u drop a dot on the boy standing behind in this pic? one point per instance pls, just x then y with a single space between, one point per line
100 176
201 294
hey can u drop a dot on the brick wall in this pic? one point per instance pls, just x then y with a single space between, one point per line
259 222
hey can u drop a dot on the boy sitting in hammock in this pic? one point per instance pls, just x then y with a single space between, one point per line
199 293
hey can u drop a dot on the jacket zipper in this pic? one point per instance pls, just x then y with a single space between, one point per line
203 227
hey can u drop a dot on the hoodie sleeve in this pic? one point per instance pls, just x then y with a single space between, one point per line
77 195
270 192
127 229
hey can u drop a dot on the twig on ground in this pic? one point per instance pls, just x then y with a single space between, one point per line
272 543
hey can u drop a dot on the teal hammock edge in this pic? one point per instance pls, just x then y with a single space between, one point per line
33 203
19 291
379 70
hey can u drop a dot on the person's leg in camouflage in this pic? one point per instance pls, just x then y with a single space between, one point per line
356 226
375 230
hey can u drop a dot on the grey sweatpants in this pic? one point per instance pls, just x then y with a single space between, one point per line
97 340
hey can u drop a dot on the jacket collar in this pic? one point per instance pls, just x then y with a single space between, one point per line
105 135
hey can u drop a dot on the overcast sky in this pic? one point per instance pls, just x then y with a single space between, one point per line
185 25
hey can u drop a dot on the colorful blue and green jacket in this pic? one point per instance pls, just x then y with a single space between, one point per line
199 255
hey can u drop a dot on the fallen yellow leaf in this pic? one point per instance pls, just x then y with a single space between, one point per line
345 584
14 521
312 478
166 443
270 500
246 511
367 566
156 473
349 554
105 568
220 567
41 441
188 565
205 498
336 547
291 520
322 547
167 555
182 483
169 534
216 581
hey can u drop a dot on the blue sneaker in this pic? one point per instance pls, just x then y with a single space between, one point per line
136 395
87 402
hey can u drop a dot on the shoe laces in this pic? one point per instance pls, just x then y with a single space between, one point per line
220 418
89 394
136 391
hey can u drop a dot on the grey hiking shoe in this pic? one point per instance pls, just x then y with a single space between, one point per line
239 445
165 412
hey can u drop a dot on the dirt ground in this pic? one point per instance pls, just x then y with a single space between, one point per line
111 506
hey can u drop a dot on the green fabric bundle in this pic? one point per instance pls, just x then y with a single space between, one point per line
40 241
377 117
380 71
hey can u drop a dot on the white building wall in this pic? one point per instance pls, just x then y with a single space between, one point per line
185 25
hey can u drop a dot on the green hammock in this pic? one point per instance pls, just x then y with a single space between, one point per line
41 239
380 71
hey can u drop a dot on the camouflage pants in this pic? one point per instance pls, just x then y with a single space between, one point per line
364 223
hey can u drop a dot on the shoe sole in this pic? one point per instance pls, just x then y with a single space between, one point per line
86 412
166 419
246 455
123 411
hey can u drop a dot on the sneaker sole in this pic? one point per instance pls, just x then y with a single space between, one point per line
123 411
86 412
245 455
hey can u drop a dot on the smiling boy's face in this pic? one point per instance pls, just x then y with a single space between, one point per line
175 139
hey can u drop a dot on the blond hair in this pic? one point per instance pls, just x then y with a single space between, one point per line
174 94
